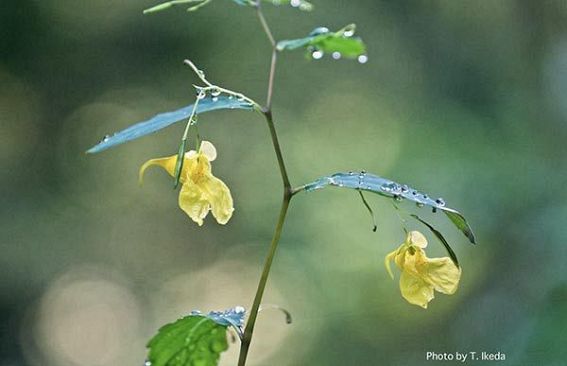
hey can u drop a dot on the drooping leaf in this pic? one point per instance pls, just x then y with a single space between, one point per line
342 43
196 339
385 187
459 221
441 238
164 120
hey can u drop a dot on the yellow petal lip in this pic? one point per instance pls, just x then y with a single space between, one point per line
422 276
201 192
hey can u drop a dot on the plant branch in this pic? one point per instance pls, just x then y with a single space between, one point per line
210 86
277 149
287 196
249 330
271 79
264 23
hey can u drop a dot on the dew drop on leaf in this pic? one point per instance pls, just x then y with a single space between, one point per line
336 55
362 59
317 55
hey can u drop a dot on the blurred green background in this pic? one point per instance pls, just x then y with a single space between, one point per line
461 99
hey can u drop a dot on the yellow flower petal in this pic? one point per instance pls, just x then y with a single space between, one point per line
415 290
193 202
198 169
220 199
421 276
200 192
442 274
389 258
167 163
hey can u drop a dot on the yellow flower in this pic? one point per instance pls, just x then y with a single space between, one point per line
201 192
421 275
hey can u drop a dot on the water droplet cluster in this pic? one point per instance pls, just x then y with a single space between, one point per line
318 54
369 182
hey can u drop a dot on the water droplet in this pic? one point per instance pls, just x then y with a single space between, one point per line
336 55
295 3
305 7
440 201
362 59
425 197
201 94
350 173
231 97
414 193
241 98
405 188
349 32
239 310
317 54
363 172
147 363
105 138
215 92
215 99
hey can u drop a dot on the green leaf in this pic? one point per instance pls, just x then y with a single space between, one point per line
320 41
385 187
164 120
195 339
441 238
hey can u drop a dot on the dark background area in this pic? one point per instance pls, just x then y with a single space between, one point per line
461 99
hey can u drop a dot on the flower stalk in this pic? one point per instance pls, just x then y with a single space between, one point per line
288 193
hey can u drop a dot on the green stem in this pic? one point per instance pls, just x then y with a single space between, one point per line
287 195
249 330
